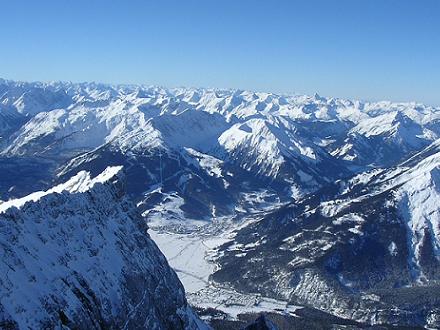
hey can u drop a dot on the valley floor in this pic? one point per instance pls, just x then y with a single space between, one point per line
191 255
191 250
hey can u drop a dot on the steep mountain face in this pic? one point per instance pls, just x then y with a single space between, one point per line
365 249
79 256
207 150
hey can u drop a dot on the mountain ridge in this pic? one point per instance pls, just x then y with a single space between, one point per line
80 256
293 144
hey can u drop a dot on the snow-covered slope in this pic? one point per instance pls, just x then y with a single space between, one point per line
79 256
287 145
371 244
415 187
88 115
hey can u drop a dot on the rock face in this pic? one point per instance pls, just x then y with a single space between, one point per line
365 249
79 256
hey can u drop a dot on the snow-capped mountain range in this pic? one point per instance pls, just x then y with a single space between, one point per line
227 144
338 200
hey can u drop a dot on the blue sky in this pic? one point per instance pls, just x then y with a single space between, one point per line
365 49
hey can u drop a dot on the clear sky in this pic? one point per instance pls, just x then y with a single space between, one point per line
365 49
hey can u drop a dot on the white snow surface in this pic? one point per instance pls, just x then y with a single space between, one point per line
78 183
416 191
192 255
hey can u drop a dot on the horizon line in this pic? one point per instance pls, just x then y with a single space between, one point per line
147 85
